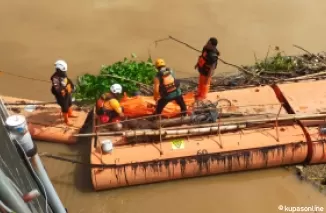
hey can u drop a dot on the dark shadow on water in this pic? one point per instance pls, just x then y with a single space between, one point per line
82 178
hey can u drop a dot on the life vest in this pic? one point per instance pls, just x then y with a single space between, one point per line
100 103
104 115
203 65
167 82
64 83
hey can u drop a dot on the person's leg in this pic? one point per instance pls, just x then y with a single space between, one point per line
114 118
57 99
199 86
113 115
183 108
160 105
65 108
206 86
70 111
60 102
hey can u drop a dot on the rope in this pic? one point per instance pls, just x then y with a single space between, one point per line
24 77
76 161
211 114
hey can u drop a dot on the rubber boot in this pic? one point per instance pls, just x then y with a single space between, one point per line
70 113
66 119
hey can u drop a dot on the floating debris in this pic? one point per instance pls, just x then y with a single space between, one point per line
277 68
316 174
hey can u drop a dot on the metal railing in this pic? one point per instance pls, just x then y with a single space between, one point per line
17 177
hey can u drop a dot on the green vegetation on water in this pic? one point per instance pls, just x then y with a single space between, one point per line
90 87
276 63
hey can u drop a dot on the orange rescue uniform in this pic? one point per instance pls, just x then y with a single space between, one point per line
62 88
108 108
206 64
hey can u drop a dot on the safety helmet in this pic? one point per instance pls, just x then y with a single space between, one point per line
116 88
61 65
160 63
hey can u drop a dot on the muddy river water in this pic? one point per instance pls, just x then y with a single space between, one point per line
88 33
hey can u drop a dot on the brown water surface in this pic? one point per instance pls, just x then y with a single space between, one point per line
88 33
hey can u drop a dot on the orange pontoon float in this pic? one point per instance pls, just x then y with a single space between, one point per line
307 97
197 156
45 122
191 156
227 145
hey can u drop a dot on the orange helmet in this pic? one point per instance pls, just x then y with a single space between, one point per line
160 63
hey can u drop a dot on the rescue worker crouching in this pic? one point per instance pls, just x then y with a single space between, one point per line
62 88
206 65
167 88
108 107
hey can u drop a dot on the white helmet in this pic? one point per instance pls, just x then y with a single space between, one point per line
61 65
116 88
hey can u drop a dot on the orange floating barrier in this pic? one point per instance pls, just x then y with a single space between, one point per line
191 156
307 97
317 146
117 163
303 97
197 156
45 122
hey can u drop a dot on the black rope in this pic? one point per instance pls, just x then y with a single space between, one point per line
20 76
78 162
211 114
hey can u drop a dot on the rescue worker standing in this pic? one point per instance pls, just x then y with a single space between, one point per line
166 87
62 88
206 65
108 107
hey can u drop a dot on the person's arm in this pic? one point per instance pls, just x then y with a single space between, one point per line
58 87
114 103
57 84
212 58
196 66
156 89
172 73
212 62
73 88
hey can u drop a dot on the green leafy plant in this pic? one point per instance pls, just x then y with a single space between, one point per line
90 87
276 63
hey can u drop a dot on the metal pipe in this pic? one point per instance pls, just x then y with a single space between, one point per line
52 195
11 197
4 208
18 129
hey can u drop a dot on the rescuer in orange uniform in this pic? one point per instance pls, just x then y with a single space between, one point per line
166 88
62 88
206 65
108 107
